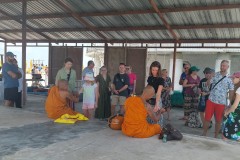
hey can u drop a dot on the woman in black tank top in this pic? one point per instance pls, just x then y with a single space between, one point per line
156 82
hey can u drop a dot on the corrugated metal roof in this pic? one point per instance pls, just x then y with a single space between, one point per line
73 35
107 5
125 20
55 23
42 7
9 24
180 18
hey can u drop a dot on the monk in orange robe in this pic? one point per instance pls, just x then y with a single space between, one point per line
135 119
56 103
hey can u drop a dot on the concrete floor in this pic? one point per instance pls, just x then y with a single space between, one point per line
27 134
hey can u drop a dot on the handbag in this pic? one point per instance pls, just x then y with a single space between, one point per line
171 132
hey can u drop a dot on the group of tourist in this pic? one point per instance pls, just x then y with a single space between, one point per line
212 95
142 114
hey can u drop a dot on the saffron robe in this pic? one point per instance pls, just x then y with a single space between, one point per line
135 120
56 106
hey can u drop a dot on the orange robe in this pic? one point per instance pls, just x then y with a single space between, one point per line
135 120
56 106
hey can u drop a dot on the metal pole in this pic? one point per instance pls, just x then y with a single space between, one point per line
24 46
50 81
174 64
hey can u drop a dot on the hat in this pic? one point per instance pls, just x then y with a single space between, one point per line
235 75
207 70
194 68
89 77
10 54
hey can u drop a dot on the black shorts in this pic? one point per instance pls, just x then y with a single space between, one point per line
10 94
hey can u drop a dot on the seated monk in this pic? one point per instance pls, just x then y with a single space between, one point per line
135 119
57 104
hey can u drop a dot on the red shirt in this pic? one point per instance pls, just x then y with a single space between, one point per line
132 78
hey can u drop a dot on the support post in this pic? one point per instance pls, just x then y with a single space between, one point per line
174 64
24 46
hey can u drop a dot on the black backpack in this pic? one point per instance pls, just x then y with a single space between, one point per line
172 133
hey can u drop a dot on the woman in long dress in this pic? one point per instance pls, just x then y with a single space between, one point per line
103 80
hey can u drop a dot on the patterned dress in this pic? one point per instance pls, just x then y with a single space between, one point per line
166 98
232 124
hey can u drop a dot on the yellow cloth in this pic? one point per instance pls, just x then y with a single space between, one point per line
135 120
70 119
56 106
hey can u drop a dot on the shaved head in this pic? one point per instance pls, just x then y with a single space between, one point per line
62 85
148 92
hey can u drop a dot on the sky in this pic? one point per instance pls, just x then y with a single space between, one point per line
35 53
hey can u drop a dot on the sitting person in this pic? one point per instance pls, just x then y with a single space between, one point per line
56 102
136 111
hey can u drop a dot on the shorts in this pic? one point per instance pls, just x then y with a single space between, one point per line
87 106
118 100
214 108
10 94
202 104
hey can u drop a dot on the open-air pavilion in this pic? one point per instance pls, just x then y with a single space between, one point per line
125 29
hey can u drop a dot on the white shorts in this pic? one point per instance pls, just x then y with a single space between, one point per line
87 106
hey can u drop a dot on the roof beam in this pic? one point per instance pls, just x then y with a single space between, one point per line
29 27
80 19
127 12
161 16
130 28
134 41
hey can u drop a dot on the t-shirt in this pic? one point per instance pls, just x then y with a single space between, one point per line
89 93
155 82
204 87
183 76
119 81
219 93
9 82
132 78
20 80
192 90
87 70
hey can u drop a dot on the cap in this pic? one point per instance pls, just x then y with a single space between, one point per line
89 77
194 68
235 75
10 54
207 70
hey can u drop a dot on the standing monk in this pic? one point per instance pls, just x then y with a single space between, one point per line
56 103
136 111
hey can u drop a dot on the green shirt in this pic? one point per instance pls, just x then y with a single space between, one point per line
62 74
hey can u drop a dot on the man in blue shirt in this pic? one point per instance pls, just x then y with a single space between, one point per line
88 69
10 76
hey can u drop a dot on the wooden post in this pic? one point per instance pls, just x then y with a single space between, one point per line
24 46
174 64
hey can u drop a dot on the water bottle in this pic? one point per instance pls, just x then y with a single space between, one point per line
164 138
